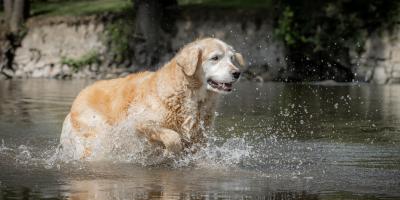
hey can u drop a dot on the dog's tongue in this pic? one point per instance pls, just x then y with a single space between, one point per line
226 86
222 86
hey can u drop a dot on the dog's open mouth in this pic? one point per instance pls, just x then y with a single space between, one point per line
227 87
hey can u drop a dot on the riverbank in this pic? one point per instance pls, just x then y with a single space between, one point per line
89 46
60 47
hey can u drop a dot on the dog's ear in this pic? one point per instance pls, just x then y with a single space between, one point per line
240 60
189 59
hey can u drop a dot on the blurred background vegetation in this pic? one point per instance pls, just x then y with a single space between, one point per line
88 7
318 35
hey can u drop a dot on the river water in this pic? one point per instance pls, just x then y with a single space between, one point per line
272 141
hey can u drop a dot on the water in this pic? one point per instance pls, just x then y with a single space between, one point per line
272 141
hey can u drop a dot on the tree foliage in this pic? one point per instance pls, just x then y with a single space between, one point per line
87 59
320 34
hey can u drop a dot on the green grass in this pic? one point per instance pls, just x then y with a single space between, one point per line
88 7
74 7
85 60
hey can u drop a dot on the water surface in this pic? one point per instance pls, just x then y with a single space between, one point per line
272 141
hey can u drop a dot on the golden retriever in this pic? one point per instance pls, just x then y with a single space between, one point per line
172 106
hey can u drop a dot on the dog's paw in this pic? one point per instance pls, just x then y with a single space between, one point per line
172 141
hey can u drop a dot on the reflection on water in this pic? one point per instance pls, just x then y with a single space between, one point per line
272 141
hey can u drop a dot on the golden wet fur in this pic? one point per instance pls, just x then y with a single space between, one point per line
171 106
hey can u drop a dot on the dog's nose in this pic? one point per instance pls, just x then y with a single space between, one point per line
236 75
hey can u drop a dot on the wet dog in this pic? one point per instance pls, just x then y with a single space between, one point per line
172 106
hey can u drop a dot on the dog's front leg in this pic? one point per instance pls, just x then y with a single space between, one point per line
168 137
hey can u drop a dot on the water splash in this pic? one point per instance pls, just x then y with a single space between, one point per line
255 151
218 153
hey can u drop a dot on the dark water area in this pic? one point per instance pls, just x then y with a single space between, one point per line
272 141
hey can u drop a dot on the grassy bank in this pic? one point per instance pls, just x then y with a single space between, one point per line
229 3
75 8
88 7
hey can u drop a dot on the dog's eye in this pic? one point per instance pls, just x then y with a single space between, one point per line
215 58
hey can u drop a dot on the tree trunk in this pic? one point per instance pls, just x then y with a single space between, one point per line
150 16
8 7
17 16
147 27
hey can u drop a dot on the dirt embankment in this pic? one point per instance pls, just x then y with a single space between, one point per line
50 42
91 46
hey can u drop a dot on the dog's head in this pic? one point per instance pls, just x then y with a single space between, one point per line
212 61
